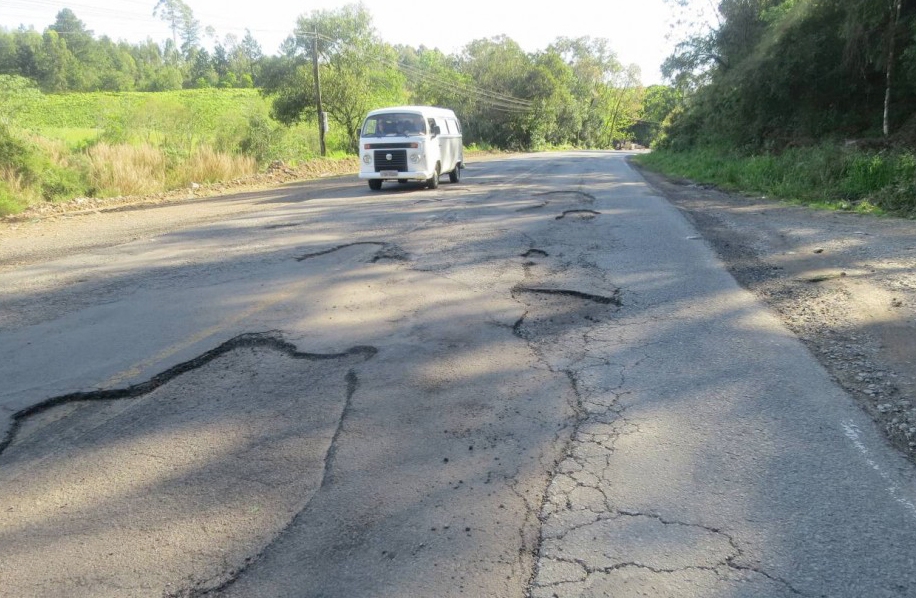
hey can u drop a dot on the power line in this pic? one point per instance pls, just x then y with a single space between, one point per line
498 101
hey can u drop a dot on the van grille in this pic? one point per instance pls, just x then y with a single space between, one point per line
396 145
397 162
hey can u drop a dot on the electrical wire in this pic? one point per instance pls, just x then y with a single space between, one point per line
495 100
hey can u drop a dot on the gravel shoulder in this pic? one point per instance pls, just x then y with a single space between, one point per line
844 283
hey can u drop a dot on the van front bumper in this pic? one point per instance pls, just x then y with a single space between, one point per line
388 175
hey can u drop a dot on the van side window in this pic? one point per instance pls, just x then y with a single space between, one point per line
452 126
443 128
430 121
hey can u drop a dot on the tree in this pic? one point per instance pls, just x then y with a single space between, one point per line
79 40
357 69
796 71
180 19
658 102
896 7
500 109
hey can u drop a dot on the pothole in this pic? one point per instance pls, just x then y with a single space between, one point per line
390 252
553 313
534 207
613 299
571 195
387 251
824 277
580 214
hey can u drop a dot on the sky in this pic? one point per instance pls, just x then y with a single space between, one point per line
636 29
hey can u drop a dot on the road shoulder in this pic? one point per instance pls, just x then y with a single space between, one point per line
844 283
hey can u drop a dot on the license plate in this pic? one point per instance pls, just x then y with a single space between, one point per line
388 172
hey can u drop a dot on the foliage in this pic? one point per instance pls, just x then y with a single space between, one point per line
782 73
68 57
574 93
845 178
45 171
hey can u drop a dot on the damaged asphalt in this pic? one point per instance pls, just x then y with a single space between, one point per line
509 387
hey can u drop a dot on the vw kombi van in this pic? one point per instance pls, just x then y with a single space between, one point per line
410 143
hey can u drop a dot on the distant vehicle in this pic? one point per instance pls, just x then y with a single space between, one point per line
410 143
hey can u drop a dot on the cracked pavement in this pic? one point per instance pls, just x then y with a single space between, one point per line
539 382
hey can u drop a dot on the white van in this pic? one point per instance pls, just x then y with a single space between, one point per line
410 143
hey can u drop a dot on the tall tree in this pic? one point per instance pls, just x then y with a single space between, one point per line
180 19
896 7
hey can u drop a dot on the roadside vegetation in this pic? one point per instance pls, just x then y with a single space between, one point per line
798 99
87 116
829 175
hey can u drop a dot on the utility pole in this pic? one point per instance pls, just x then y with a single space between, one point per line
321 117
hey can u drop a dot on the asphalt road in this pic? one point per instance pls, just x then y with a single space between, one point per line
536 382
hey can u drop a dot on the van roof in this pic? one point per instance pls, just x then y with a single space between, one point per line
424 110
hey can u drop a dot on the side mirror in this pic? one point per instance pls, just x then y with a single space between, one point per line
435 130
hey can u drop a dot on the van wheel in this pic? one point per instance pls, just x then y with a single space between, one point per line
375 184
455 175
433 181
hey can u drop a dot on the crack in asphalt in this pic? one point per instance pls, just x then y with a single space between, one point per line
535 252
326 479
572 425
609 438
271 340
331 457
728 562
387 251
576 471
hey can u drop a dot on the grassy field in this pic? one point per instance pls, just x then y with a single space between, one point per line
825 176
206 109
60 146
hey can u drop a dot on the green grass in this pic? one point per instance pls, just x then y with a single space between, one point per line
829 177
58 146
73 137
92 110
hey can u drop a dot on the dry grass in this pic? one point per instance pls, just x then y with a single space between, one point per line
126 169
209 166
15 181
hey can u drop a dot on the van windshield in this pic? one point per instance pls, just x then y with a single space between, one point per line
395 124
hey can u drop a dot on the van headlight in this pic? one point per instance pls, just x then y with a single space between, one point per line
415 158
367 159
